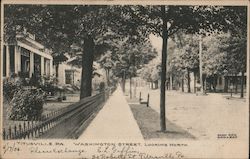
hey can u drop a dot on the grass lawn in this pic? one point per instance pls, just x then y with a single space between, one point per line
203 116
48 107
148 121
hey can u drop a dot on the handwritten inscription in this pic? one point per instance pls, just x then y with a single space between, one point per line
98 150
57 150
128 152
11 148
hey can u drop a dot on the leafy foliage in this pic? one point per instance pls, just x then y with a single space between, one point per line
214 59
26 104
132 57
151 72
49 85
10 86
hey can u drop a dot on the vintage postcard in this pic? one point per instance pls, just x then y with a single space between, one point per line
124 79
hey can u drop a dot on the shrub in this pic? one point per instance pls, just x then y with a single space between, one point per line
10 86
102 86
49 88
49 85
26 104
35 80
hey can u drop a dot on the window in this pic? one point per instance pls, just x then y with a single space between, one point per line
69 77
25 62
220 81
37 64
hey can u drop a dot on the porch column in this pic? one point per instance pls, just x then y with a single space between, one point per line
51 67
7 61
31 63
42 65
17 59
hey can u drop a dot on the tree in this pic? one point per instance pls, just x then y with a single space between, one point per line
41 19
107 63
132 56
155 75
151 72
61 26
186 56
57 59
165 21
238 43
235 51
216 66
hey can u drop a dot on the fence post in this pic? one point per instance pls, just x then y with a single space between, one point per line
20 131
43 128
28 125
32 124
36 131
32 133
24 126
148 100
15 132
28 134
10 132
4 133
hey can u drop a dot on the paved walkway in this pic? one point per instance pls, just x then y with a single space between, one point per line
114 121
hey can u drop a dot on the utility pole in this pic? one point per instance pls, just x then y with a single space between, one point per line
200 62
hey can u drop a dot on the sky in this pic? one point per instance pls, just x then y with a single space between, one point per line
156 42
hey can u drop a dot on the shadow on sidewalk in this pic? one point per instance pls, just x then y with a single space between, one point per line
148 121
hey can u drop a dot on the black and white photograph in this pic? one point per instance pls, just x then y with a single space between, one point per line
134 80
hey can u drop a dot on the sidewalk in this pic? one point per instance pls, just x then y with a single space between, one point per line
114 121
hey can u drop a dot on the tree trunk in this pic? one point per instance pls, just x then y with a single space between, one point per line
226 84
57 74
204 82
242 85
164 67
194 82
87 67
189 87
130 87
214 83
236 84
170 82
123 82
107 76
182 84
135 85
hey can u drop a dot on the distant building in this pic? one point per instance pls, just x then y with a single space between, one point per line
68 74
222 83
25 57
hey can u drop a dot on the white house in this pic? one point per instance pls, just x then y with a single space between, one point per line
26 56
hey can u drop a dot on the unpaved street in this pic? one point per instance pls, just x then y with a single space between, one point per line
203 116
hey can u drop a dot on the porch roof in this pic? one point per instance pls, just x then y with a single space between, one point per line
37 49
